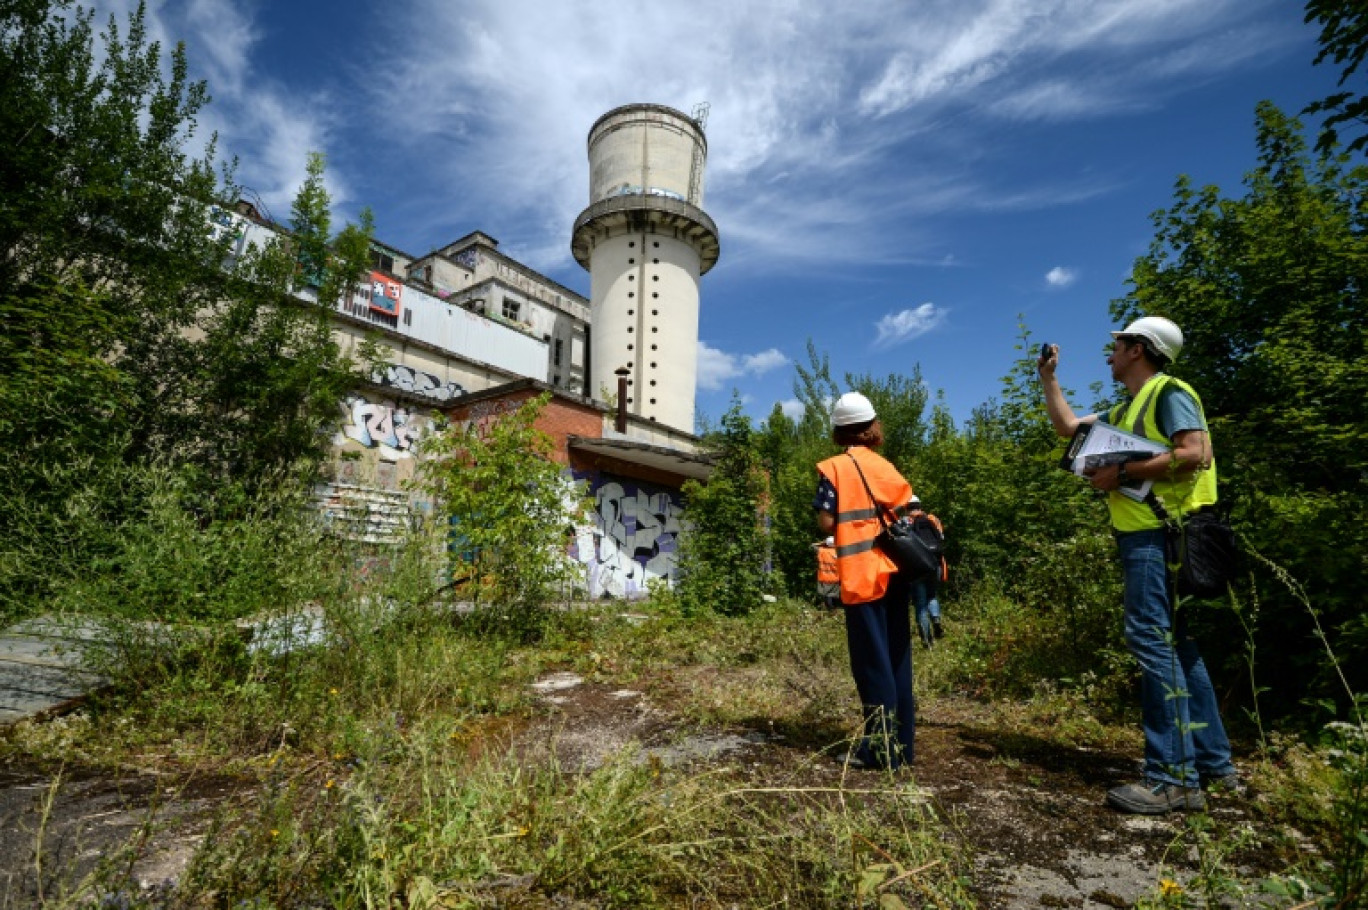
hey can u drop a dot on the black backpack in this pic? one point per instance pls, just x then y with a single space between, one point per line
914 542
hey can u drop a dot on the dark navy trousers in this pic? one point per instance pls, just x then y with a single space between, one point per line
879 636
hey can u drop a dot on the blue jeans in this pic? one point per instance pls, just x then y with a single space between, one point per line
1184 736
927 607
879 637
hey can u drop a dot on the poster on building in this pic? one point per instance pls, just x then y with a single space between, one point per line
385 294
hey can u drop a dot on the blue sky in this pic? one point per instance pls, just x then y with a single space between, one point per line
896 181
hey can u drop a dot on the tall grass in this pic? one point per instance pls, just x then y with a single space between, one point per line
430 831
368 719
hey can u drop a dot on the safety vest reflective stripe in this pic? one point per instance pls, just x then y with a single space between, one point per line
863 567
852 549
856 515
1180 496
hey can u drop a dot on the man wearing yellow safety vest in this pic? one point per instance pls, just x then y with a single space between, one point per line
852 489
1185 742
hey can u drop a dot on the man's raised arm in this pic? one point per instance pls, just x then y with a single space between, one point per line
1062 416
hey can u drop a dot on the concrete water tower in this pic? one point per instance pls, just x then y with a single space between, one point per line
645 240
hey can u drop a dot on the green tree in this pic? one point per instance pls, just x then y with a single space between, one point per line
1268 288
1344 40
267 370
724 553
127 338
509 508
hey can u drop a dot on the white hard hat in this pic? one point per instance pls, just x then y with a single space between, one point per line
1162 334
852 408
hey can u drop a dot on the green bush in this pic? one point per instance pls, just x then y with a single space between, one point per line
724 552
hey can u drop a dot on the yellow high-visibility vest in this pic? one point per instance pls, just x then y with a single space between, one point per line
1180 496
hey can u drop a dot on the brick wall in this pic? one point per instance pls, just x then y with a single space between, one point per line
564 418
559 420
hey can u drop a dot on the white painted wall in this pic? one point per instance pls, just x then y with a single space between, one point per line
645 317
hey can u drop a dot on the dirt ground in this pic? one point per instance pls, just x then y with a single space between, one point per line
1030 812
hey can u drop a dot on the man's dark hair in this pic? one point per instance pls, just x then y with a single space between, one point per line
868 434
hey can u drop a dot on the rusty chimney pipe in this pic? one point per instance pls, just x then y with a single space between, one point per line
620 421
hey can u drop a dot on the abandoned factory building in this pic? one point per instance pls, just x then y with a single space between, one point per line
469 332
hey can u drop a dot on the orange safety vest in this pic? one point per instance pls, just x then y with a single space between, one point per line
863 568
827 573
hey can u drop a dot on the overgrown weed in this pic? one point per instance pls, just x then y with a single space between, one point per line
431 830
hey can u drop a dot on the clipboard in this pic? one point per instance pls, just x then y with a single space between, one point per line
1096 444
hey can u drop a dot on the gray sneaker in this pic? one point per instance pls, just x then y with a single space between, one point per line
1151 798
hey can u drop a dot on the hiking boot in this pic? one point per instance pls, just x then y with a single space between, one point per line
1150 798
1225 784
853 760
936 628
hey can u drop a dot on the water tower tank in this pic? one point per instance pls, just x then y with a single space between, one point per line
645 240
646 149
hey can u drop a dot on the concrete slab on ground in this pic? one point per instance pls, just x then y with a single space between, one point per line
44 668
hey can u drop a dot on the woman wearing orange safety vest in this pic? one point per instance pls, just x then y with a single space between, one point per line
876 597
828 576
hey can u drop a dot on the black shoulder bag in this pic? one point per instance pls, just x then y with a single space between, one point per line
1200 550
914 543
1202 547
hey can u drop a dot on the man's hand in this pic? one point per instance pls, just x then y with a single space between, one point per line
826 523
1047 363
1104 477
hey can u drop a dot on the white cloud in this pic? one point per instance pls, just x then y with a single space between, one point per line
809 111
1061 276
717 367
479 115
226 37
896 328
756 364
793 408
1064 99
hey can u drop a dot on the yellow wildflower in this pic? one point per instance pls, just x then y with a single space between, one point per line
1169 888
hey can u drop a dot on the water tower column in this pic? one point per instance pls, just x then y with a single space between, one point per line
646 241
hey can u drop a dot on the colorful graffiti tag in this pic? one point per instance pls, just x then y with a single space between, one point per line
386 293
393 430
634 537
410 380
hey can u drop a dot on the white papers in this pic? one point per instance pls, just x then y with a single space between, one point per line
1097 443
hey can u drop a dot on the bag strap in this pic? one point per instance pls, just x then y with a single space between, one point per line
1158 509
878 509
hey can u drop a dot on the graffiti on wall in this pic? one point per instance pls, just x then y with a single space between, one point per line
633 539
393 430
365 512
385 294
410 380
